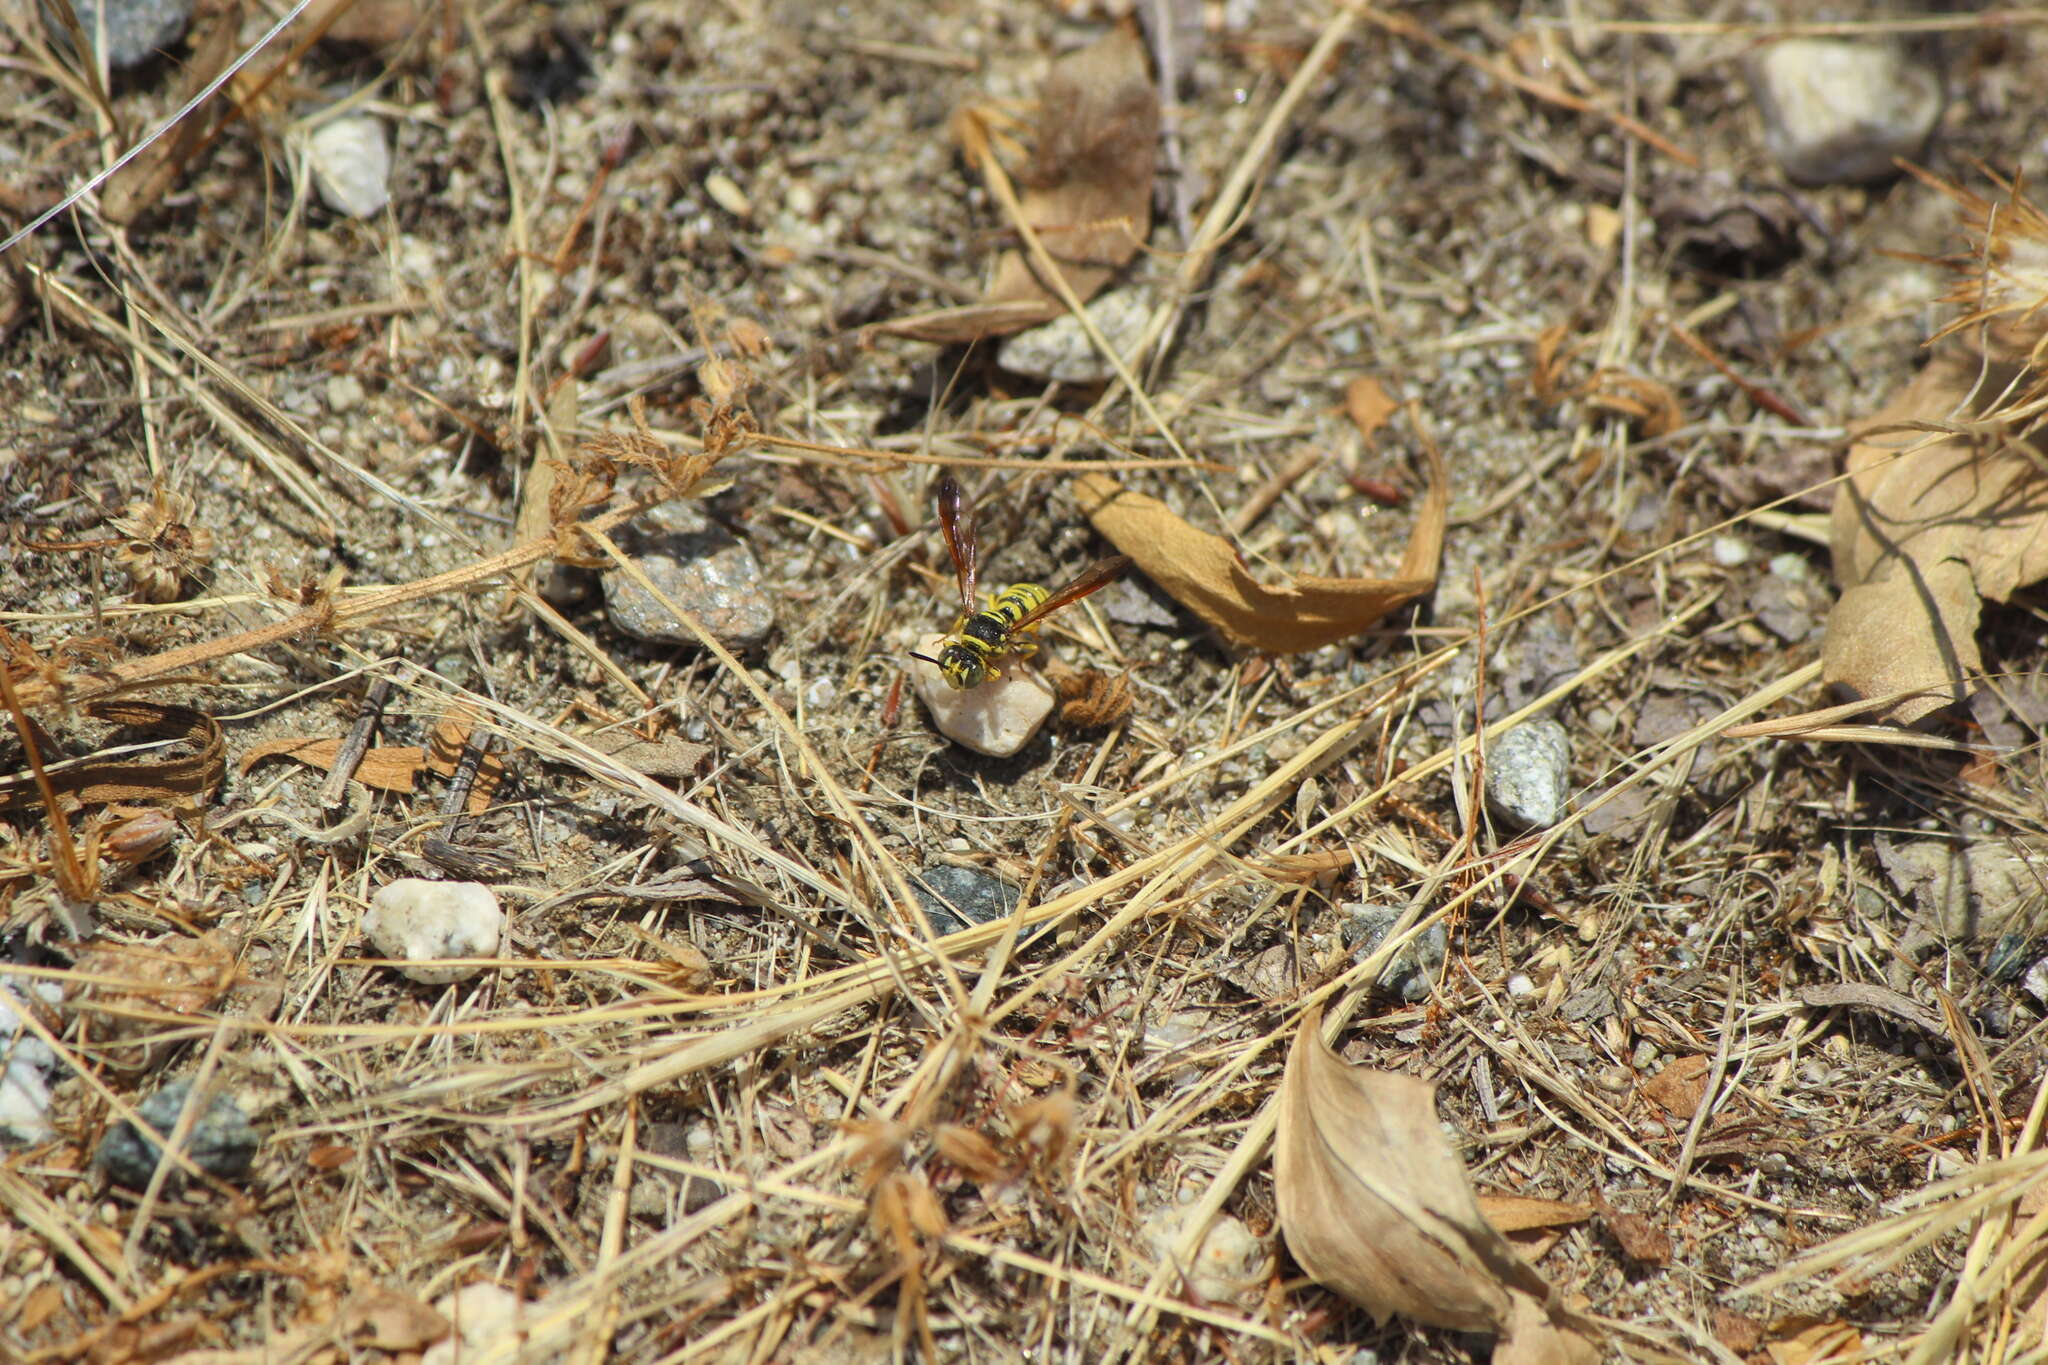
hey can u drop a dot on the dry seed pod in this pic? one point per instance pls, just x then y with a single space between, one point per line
162 548
140 837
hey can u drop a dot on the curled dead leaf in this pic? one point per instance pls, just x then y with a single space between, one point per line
1650 404
1522 1213
1924 529
1679 1087
115 775
1369 405
1375 1205
390 768
1204 574
1087 190
1946 500
1641 1240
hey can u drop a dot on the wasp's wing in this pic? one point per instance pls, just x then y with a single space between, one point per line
1095 577
956 519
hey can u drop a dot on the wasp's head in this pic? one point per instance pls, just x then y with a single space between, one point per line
960 666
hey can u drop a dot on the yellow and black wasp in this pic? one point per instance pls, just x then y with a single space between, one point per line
984 634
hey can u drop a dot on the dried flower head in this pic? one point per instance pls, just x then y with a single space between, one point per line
2002 280
161 550
1090 699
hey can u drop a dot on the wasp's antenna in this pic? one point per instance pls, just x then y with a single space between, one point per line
926 657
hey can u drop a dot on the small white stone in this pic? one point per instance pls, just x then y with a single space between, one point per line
1061 350
24 1105
1792 568
2035 982
1730 551
483 1314
1837 112
726 193
25 1061
997 718
1519 985
344 392
351 163
413 920
1229 1266
1527 772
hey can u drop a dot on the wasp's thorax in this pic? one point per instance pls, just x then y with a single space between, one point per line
969 658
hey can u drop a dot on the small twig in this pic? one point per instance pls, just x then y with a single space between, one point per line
1682 1166
1756 393
1268 493
354 745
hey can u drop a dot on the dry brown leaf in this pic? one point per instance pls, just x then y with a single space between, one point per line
1817 1343
391 768
1679 1087
444 755
670 758
1204 574
115 777
1369 405
390 1320
1651 405
1738 1333
1641 1240
1920 538
1521 1213
1375 1205
1087 191
1537 1336
371 23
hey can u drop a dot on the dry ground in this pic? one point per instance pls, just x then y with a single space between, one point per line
350 404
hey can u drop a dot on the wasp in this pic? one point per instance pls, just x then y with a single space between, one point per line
984 634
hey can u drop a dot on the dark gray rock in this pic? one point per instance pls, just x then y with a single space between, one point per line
136 29
222 1143
1414 967
956 898
703 568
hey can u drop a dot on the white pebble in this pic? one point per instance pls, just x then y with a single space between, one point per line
1228 1267
1837 112
344 393
351 162
1527 772
1730 551
483 1314
1519 985
997 718
25 1061
24 1105
413 920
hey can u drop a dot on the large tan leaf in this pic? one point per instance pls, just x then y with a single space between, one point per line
1203 573
1087 191
1921 538
1375 1205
